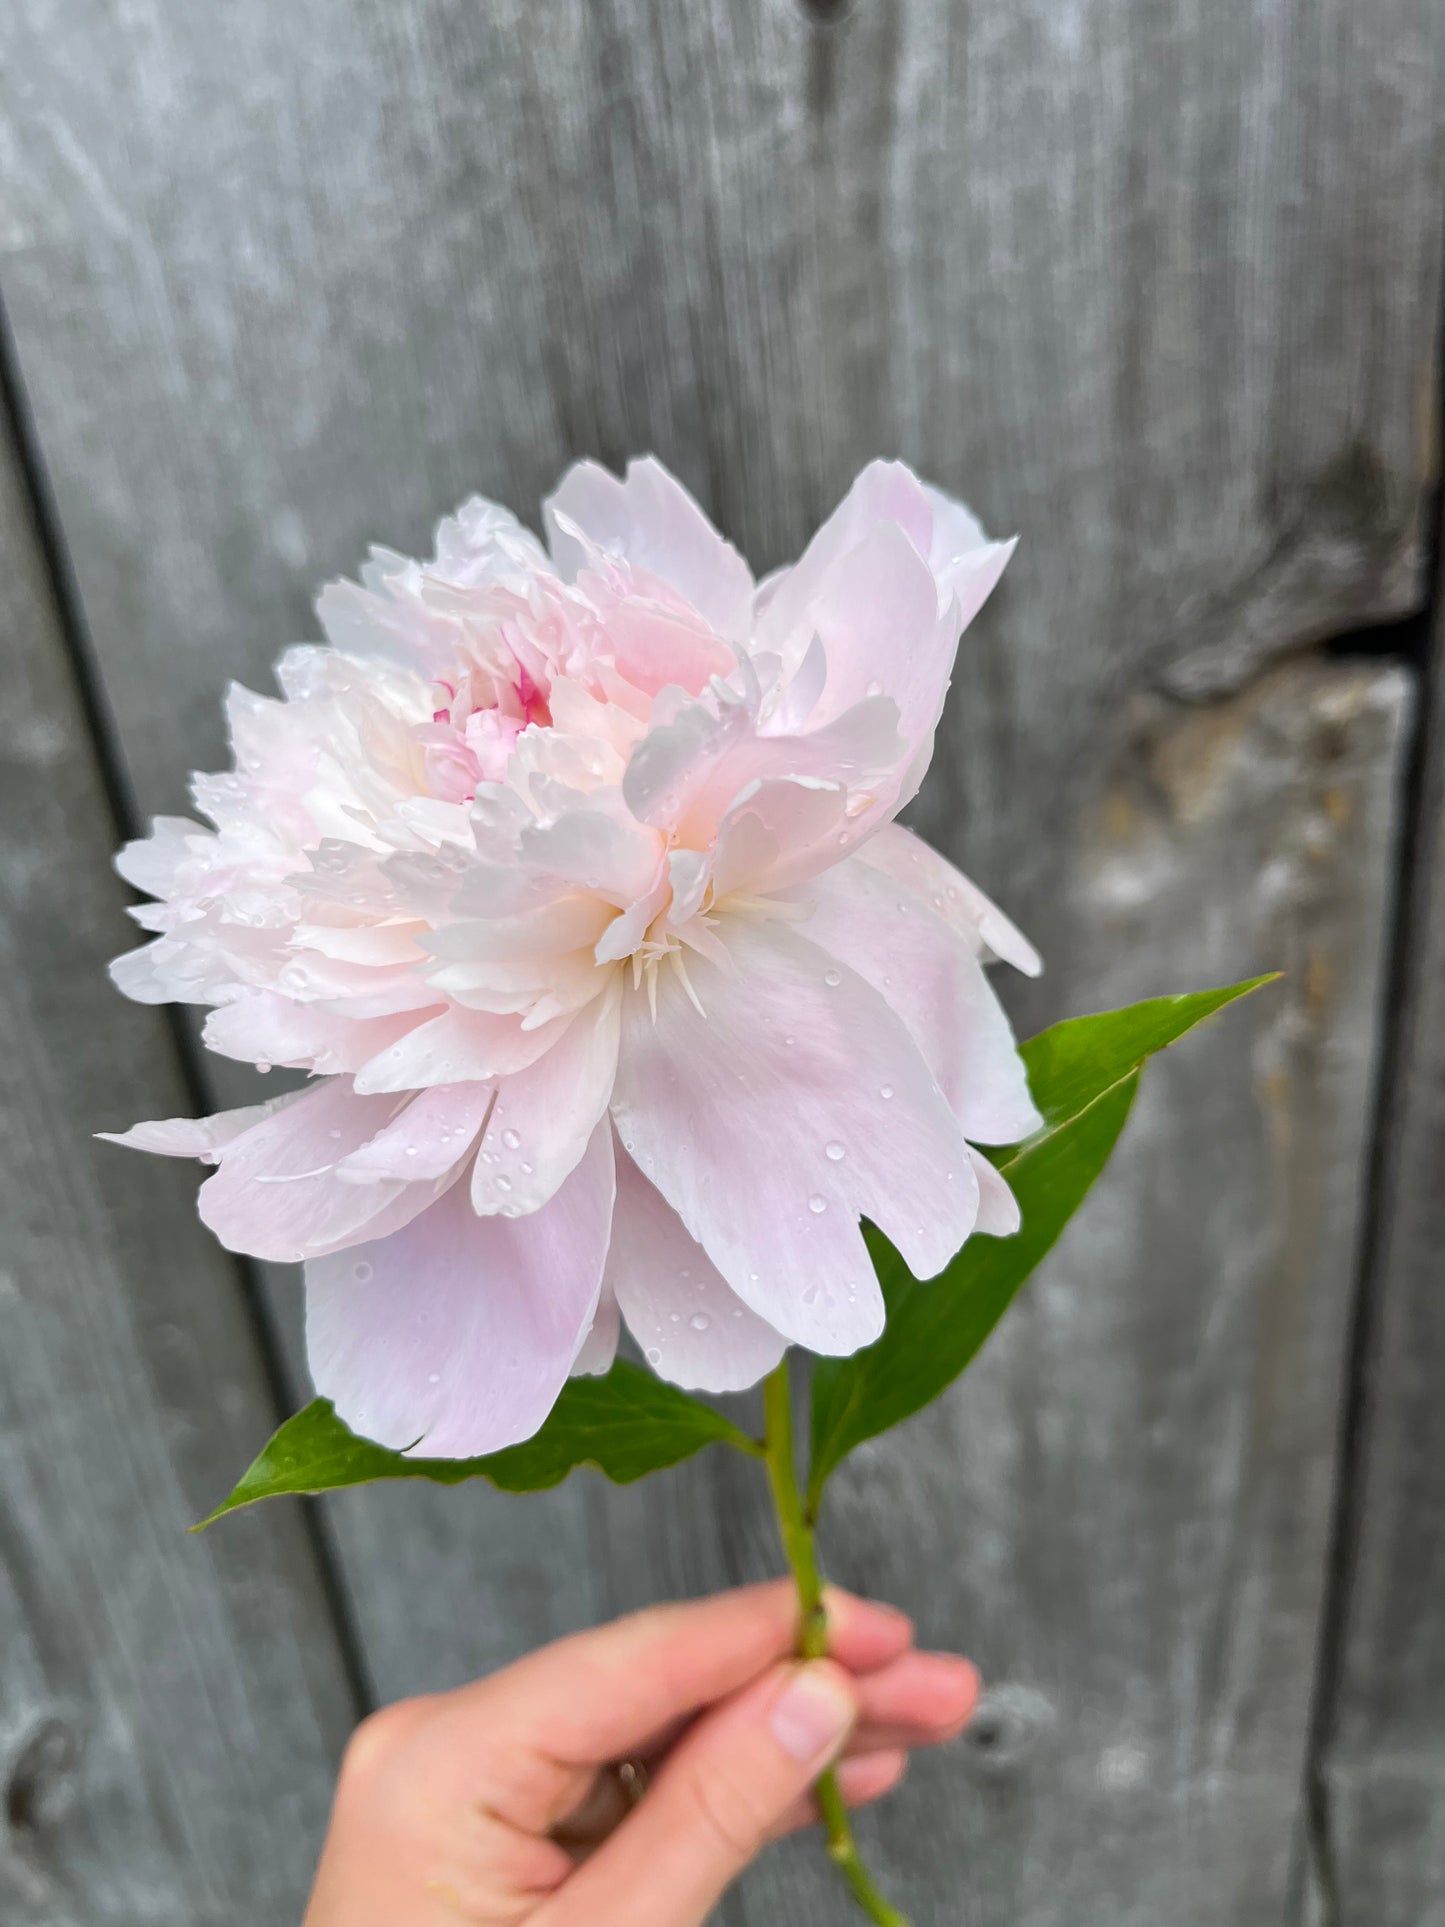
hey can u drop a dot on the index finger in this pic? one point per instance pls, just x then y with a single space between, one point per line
599 1695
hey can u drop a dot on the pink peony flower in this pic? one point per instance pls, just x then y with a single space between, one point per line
573 878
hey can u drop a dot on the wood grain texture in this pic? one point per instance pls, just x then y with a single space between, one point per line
1157 286
170 1709
1379 1844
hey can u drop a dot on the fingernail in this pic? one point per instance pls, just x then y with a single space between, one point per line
813 1713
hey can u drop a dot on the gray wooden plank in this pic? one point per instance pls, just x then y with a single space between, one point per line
1158 287
1379 1844
170 1708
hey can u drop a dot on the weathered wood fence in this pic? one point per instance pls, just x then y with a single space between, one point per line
1156 284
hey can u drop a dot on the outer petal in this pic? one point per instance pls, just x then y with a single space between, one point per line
197 1137
877 614
933 979
651 520
919 868
998 1208
779 830
599 1347
459 1047
769 1123
678 1306
455 1335
545 1115
262 1027
277 1194
425 1140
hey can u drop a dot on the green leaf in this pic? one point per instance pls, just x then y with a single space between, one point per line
1083 1075
626 1425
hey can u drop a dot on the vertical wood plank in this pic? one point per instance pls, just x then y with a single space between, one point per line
1378 1851
171 1709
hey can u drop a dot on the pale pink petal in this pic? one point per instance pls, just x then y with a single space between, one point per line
692 1328
425 1140
882 492
151 862
778 831
918 867
876 612
135 975
454 1336
459 1047
792 1103
263 1027
599 1347
650 519
197 1137
998 1208
932 977
277 1195
545 1115
656 648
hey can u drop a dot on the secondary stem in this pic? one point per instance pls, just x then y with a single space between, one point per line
798 1544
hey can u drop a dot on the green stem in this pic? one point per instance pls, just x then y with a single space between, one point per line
798 1543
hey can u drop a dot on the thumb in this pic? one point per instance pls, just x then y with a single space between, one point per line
723 1790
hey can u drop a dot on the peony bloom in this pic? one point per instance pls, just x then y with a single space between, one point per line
573 879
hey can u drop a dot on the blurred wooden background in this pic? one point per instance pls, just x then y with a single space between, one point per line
1156 284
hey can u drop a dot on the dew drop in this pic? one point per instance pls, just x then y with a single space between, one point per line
361 1272
752 1277
654 1356
512 1141
834 1151
833 978
263 1068
334 1134
875 688
525 1168
504 1183
886 1091
674 1317
699 1321
410 1151
817 1204
686 1272
790 1041
433 1378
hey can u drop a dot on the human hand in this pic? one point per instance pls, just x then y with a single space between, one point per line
500 1804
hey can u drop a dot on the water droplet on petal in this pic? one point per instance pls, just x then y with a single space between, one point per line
887 1091
835 1151
504 1183
410 1151
525 1168
654 1356
433 1378
334 1134
512 1141
361 1272
699 1321
875 688
263 1068
833 978
817 1203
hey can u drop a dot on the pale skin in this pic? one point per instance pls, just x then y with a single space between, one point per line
499 1804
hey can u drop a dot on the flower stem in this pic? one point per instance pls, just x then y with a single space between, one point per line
798 1544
